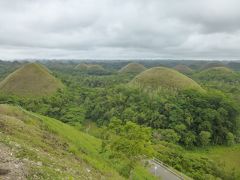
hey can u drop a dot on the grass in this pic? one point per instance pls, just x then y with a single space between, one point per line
212 65
89 67
164 78
218 74
64 151
183 69
57 145
229 157
132 68
29 81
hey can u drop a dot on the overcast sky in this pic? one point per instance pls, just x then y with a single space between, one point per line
120 29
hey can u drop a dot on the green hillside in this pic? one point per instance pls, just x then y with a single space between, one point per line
218 74
30 80
164 78
41 137
81 67
183 69
48 148
132 68
212 65
90 68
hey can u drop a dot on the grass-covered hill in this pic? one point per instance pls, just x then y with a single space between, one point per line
132 68
218 74
30 80
81 67
164 78
212 65
49 149
183 69
90 68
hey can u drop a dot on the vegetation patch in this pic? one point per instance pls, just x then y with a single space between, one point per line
132 68
183 69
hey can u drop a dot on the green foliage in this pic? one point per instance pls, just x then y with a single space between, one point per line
129 139
196 165
204 138
230 139
126 143
168 135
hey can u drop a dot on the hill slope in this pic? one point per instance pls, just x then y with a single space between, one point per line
164 78
212 65
90 68
218 74
30 80
45 148
183 69
50 149
132 68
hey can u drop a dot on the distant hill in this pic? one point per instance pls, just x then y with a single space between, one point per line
81 67
164 78
212 64
218 74
45 148
90 68
132 68
183 69
30 80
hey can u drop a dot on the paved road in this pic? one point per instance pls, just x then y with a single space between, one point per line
162 172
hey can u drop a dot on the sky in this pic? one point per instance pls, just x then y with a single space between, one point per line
120 29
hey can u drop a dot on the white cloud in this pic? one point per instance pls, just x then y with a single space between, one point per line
120 29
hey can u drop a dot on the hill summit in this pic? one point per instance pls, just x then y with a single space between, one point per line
132 68
90 68
183 69
164 78
218 74
30 80
212 65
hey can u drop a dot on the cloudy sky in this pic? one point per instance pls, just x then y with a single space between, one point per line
120 29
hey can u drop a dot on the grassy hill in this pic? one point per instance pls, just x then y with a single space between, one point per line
132 68
81 67
183 69
50 149
218 74
212 65
90 68
164 78
30 80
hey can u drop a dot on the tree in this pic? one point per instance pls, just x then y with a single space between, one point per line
130 139
230 139
204 138
189 139
169 135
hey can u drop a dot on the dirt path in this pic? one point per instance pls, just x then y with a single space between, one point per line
11 168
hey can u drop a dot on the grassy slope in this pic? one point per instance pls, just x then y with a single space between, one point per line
228 156
183 69
132 68
89 67
160 77
64 151
56 145
212 65
30 80
217 73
